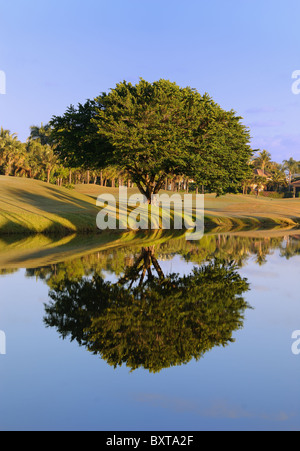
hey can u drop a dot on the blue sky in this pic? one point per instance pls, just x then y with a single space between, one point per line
242 52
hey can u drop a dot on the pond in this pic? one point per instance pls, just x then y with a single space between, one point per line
150 333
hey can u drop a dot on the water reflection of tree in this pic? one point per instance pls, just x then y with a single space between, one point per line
221 247
148 319
230 247
5 272
291 248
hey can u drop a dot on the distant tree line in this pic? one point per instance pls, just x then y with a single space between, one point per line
36 159
270 175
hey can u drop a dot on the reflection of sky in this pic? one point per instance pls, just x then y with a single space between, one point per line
47 383
175 265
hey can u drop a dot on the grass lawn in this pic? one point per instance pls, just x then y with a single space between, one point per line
30 206
232 210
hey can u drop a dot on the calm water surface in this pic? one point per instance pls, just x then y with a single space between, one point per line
123 306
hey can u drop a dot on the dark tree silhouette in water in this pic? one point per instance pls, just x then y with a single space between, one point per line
148 320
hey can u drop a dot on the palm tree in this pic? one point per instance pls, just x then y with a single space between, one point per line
278 179
41 134
10 147
40 159
259 183
263 159
50 161
292 167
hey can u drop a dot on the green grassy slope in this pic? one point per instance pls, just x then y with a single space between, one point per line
231 210
31 206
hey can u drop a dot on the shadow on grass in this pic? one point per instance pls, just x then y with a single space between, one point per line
58 213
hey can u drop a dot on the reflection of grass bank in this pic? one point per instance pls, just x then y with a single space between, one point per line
39 250
235 224
30 207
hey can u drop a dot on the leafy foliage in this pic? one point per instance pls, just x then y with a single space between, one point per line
75 137
155 130
157 323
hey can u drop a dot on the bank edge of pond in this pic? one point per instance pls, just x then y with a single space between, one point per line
76 225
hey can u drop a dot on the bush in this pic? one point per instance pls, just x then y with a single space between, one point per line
272 194
69 186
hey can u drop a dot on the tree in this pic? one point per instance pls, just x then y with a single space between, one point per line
154 130
263 159
49 161
150 321
42 134
10 149
219 151
278 179
75 138
292 167
259 183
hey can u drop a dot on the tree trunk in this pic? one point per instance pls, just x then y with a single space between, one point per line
187 186
7 169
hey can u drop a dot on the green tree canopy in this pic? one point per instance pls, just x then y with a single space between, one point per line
153 130
150 321
75 137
